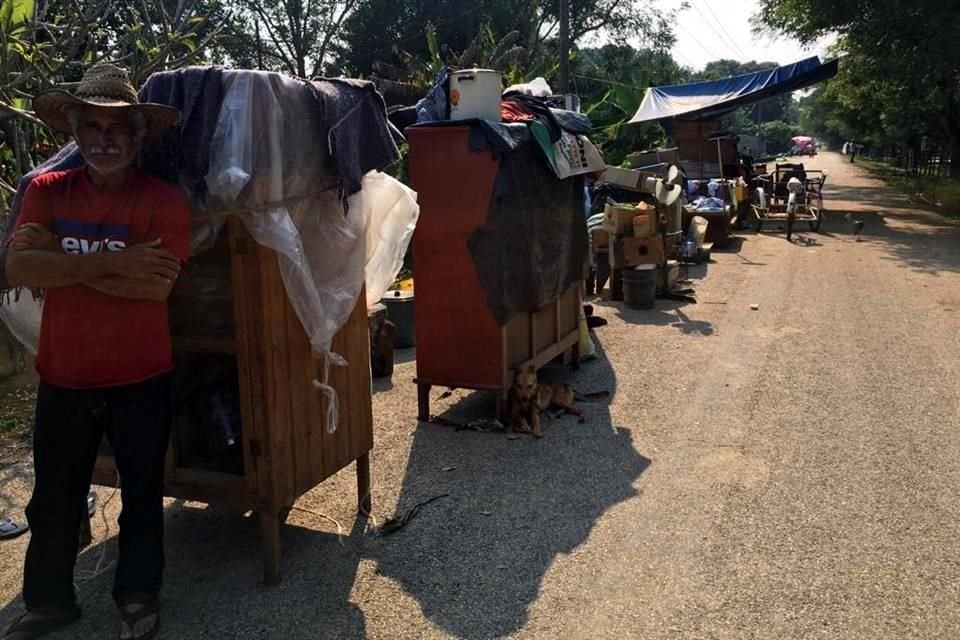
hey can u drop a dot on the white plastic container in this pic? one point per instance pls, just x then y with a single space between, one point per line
475 93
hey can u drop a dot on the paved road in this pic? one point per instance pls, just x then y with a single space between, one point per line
786 472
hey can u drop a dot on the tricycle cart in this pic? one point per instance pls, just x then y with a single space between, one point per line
775 206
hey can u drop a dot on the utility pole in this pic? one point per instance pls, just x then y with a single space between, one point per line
564 46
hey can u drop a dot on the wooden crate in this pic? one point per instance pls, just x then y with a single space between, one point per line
285 447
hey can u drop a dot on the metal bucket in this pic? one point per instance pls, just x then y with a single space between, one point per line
640 286
400 311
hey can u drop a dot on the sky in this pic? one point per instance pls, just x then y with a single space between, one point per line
713 29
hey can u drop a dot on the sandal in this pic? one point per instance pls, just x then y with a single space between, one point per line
11 529
38 627
131 619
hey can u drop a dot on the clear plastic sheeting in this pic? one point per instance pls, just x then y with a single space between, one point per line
21 314
270 164
390 213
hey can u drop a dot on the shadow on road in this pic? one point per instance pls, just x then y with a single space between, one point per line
476 559
919 240
473 561
211 586
666 313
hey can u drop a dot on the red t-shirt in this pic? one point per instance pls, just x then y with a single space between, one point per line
91 339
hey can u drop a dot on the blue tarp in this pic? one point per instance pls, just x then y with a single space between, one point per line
713 98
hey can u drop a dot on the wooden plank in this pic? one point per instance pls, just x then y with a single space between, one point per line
339 379
279 434
298 353
331 457
316 410
517 340
544 326
246 285
360 383
557 319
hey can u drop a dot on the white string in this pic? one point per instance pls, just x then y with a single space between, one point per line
333 403
99 568
323 515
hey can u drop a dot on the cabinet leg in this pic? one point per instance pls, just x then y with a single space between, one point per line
270 545
502 402
423 402
575 356
363 483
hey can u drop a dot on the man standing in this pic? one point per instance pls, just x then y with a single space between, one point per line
106 243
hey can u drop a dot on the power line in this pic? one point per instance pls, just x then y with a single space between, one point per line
730 39
698 43
605 81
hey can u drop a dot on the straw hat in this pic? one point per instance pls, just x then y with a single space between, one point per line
103 85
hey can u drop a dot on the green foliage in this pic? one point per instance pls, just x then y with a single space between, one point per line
941 193
294 36
56 45
778 135
15 14
899 81
379 30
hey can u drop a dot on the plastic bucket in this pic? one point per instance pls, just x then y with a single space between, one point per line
640 286
400 311
475 93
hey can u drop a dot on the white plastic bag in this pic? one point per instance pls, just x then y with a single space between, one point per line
22 317
390 213
575 154
537 87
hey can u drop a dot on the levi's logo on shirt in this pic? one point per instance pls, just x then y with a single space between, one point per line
86 237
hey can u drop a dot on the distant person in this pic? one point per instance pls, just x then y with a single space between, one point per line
853 151
846 148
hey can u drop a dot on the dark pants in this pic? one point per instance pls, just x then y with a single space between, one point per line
70 425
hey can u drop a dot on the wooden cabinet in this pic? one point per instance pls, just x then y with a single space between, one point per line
459 343
249 431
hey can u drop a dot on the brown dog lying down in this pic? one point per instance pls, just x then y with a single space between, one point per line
528 397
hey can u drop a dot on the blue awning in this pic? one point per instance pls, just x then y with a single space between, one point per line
713 98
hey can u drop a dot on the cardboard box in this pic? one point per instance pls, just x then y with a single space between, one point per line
647 158
631 252
645 221
627 178
618 218
600 238
667 276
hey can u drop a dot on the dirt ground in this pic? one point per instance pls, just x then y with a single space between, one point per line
784 472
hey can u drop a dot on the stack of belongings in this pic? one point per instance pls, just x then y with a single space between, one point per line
543 154
299 163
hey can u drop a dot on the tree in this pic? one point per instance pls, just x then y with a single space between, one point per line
900 74
778 135
47 44
379 28
294 36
